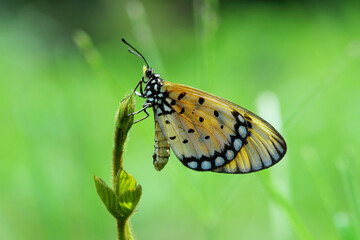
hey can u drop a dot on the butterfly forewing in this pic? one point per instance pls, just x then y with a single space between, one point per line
208 133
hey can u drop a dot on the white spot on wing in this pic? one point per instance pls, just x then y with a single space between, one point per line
237 144
167 108
158 110
229 155
205 165
242 131
241 119
219 161
193 164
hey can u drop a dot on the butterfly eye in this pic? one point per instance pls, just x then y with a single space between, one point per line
149 72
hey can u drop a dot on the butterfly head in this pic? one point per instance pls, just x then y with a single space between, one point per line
148 73
152 81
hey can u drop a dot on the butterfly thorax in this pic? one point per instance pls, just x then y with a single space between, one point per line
156 94
153 87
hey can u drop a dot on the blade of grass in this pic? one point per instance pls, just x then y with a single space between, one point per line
350 185
286 206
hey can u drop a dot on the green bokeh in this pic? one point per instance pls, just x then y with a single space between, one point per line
58 102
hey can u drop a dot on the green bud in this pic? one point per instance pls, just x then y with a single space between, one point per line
124 121
123 118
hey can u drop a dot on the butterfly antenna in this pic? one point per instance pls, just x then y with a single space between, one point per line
136 52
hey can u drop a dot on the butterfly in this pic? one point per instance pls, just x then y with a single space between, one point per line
205 132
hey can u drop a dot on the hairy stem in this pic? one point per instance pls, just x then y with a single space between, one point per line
123 124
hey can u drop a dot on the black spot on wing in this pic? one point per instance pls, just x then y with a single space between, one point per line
181 95
185 141
235 113
201 100
216 113
191 130
182 111
172 138
201 119
247 117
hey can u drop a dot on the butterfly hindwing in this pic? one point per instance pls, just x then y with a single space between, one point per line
264 148
208 133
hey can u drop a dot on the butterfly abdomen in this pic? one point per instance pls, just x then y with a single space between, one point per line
162 148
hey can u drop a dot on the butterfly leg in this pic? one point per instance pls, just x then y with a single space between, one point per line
145 106
141 90
147 115
137 85
141 93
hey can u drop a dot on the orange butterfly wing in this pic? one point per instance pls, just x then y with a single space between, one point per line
209 133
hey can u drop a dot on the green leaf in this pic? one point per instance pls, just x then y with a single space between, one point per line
128 191
129 200
108 197
124 182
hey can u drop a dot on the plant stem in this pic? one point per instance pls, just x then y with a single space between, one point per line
124 231
124 121
123 124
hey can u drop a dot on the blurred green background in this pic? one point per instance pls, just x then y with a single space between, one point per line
59 91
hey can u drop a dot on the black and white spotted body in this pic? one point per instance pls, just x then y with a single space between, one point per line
154 93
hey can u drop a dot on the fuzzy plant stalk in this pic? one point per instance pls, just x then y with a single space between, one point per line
122 199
